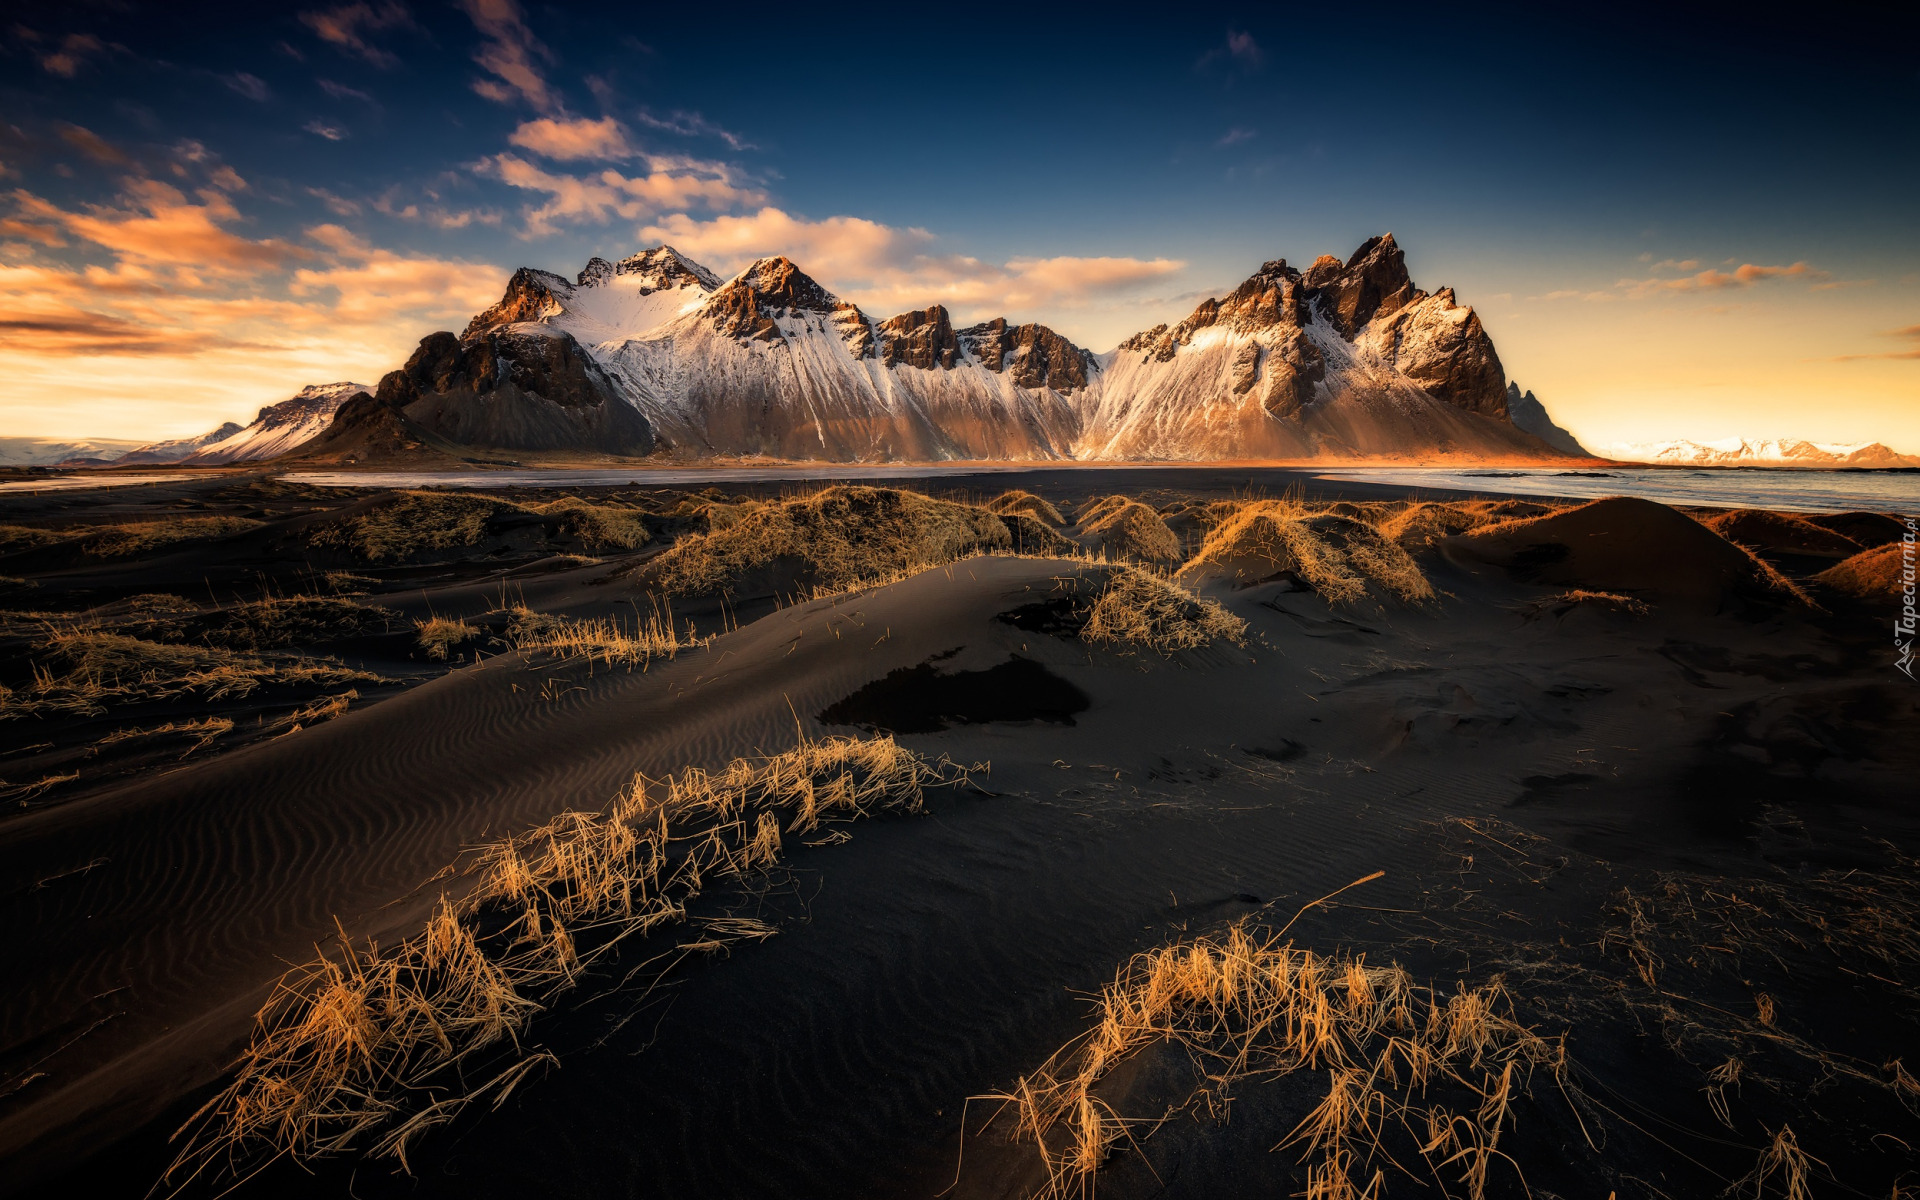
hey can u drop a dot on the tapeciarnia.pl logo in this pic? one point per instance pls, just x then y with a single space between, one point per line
1903 624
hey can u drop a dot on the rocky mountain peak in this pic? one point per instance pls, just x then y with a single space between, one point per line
531 295
1034 355
661 268
1373 282
777 283
923 339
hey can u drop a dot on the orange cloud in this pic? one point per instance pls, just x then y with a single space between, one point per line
570 139
670 184
74 51
509 53
348 25
1711 280
158 224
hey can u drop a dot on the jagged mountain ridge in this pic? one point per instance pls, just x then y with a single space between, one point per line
1347 358
655 352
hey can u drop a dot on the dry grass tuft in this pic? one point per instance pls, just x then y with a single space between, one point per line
834 539
82 671
1562 603
383 1045
1020 503
599 526
1782 1163
1257 540
1138 608
407 524
275 621
1421 524
1129 529
602 639
1242 1006
438 635
119 541
1871 575
204 733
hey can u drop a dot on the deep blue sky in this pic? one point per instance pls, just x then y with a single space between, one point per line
1560 168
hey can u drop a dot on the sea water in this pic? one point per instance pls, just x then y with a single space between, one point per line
1787 490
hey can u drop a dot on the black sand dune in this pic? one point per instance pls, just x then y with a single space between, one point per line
1515 766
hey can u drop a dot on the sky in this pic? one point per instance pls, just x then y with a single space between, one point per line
1674 222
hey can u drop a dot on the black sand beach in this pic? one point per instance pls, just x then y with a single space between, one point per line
1677 823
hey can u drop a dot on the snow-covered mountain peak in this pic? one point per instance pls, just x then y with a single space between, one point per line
777 283
658 269
609 302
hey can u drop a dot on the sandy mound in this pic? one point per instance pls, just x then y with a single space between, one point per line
1623 544
1129 529
1334 555
1017 502
833 539
1784 533
1871 574
1866 529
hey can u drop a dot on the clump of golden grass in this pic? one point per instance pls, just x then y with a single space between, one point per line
407 524
1782 1158
602 639
346 583
320 711
204 732
1337 556
134 537
437 635
262 624
1129 529
25 537
119 541
599 526
1870 575
83 670
837 538
1420 524
1562 603
1245 1005
1017 502
387 1040
1138 608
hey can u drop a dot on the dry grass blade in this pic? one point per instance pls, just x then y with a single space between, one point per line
1783 1165
355 1042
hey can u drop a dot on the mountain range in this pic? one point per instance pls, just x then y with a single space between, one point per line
1763 452
657 355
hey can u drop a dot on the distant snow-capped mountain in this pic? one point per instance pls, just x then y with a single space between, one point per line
1762 452
656 352
46 451
277 429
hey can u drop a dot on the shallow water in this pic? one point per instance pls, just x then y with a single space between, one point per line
74 482
1731 487
645 476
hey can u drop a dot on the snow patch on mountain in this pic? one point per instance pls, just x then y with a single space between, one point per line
279 427
1768 452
